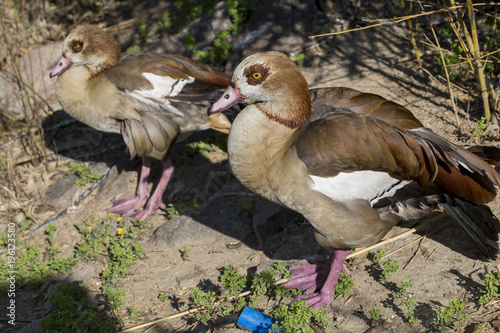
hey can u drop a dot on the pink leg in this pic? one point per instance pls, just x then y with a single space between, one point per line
127 204
310 279
155 201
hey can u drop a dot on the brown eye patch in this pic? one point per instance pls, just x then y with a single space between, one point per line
76 46
256 74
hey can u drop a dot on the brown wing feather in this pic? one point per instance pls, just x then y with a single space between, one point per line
126 75
460 171
370 105
345 141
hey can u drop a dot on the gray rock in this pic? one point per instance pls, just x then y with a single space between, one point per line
59 194
219 219
118 180
34 68
33 327
85 272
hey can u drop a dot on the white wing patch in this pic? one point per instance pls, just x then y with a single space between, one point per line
163 87
368 185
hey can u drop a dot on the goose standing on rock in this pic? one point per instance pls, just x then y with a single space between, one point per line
151 99
353 164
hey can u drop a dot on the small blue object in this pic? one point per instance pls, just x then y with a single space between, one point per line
255 321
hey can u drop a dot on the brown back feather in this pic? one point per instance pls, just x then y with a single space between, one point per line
364 104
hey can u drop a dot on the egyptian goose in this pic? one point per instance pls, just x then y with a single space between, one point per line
353 164
149 98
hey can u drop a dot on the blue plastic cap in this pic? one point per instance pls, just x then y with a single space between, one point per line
255 321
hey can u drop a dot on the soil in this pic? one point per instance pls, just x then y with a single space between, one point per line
440 259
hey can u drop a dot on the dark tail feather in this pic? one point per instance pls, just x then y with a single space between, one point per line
477 221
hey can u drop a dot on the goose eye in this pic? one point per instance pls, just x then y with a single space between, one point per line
77 47
257 75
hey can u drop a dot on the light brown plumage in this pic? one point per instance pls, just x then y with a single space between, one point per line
353 164
149 98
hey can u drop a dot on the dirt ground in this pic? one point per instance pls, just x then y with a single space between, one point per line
440 259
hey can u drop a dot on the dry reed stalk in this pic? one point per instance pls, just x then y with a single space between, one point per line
385 22
450 89
412 39
477 61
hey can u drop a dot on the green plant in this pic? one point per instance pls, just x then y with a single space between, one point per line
50 233
235 284
206 304
143 31
90 244
344 285
4 237
481 126
85 173
454 311
265 282
114 295
25 223
173 211
134 48
191 10
407 299
185 254
389 266
165 22
132 313
378 256
163 297
248 209
299 58
456 58
30 265
192 150
96 3
122 250
492 288
73 312
231 280
220 51
297 317
375 316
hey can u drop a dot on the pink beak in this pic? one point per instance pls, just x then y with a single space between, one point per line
230 98
63 65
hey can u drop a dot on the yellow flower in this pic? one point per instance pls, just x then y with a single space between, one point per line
90 228
119 219
195 206
99 240
109 214
120 231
